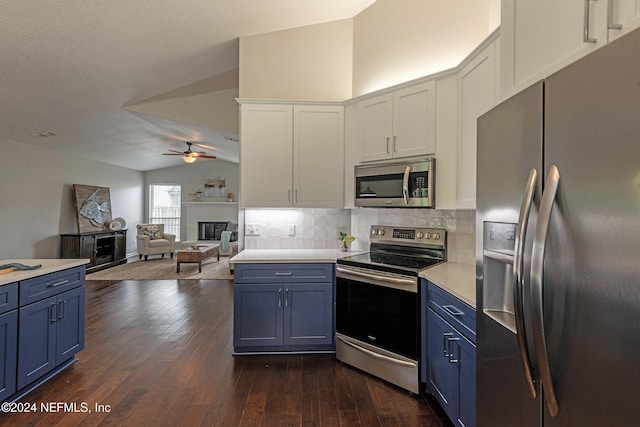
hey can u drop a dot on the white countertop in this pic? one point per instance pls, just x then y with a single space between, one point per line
290 255
456 278
48 266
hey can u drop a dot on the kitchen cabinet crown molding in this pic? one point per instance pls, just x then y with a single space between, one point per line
285 102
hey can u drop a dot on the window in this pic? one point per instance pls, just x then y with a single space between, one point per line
164 207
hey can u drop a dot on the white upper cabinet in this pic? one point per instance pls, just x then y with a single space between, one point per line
541 36
399 124
478 93
291 155
622 17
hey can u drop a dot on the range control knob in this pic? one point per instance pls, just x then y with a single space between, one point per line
420 235
374 232
427 235
381 232
436 236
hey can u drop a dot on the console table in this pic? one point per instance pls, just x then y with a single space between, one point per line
104 249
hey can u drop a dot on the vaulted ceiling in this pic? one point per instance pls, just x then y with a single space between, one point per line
124 81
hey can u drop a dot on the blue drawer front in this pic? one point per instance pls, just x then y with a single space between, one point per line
41 287
8 297
454 311
282 273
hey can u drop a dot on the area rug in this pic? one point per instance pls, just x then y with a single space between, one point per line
165 269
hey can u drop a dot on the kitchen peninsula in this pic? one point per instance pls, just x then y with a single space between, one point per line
42 318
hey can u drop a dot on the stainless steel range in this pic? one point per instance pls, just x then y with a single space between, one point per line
378 303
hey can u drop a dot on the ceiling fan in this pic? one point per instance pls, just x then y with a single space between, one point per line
190 156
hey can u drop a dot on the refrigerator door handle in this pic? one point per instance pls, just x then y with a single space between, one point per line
518 278
537 278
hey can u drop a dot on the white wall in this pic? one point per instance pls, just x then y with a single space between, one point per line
307 63
191 177
36 197
400 40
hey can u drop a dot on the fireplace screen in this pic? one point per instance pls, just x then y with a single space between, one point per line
211 230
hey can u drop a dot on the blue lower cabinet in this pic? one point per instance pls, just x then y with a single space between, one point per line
286 316
449 355
8 353
51 332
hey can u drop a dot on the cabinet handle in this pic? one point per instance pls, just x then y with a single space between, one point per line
280 297
450 342
62 309
587 18
610 24
296 196
53 285
52 313
452 310
286 297
395 140
288 273
445 343
388 139
289 195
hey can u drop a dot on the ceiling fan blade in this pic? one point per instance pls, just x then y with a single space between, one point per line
172 154
175 151
203 146
204 156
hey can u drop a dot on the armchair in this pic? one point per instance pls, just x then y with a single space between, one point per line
152 239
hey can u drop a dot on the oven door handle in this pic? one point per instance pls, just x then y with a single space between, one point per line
349 273
378 356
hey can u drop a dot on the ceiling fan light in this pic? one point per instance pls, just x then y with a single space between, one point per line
188 158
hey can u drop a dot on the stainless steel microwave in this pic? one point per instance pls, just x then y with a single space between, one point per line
402 184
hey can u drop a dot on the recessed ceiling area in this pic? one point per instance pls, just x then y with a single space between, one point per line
122 82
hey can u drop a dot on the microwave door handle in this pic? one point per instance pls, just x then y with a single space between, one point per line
405 185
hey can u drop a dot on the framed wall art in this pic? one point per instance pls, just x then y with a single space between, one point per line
93 207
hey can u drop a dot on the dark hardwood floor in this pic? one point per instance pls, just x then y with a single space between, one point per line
159 353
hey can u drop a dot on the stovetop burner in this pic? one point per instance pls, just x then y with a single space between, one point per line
401 250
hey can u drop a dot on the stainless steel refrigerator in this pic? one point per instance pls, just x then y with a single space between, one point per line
558 248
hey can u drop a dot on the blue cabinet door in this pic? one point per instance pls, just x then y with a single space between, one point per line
308 314
467 369
69 324
36 340
258 315
8 353
442 373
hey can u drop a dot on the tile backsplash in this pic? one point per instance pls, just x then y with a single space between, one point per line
319 228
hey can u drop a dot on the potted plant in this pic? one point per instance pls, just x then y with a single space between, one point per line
345 239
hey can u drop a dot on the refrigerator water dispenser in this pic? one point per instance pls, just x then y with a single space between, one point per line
497 291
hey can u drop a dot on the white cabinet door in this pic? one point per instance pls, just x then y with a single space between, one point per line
477 91
414 120
622 17
318 162
541 36
376 127
399 124
266 155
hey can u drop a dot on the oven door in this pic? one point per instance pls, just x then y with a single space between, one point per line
380 309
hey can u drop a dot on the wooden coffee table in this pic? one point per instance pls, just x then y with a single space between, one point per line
196 254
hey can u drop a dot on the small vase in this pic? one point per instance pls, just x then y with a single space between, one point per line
344 247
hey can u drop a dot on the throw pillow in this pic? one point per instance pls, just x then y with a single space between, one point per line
150 230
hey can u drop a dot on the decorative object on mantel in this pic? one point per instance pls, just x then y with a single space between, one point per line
345 239
13 266
230 197
93 207
196 195
214 187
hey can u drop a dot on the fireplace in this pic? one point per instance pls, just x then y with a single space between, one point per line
211 230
